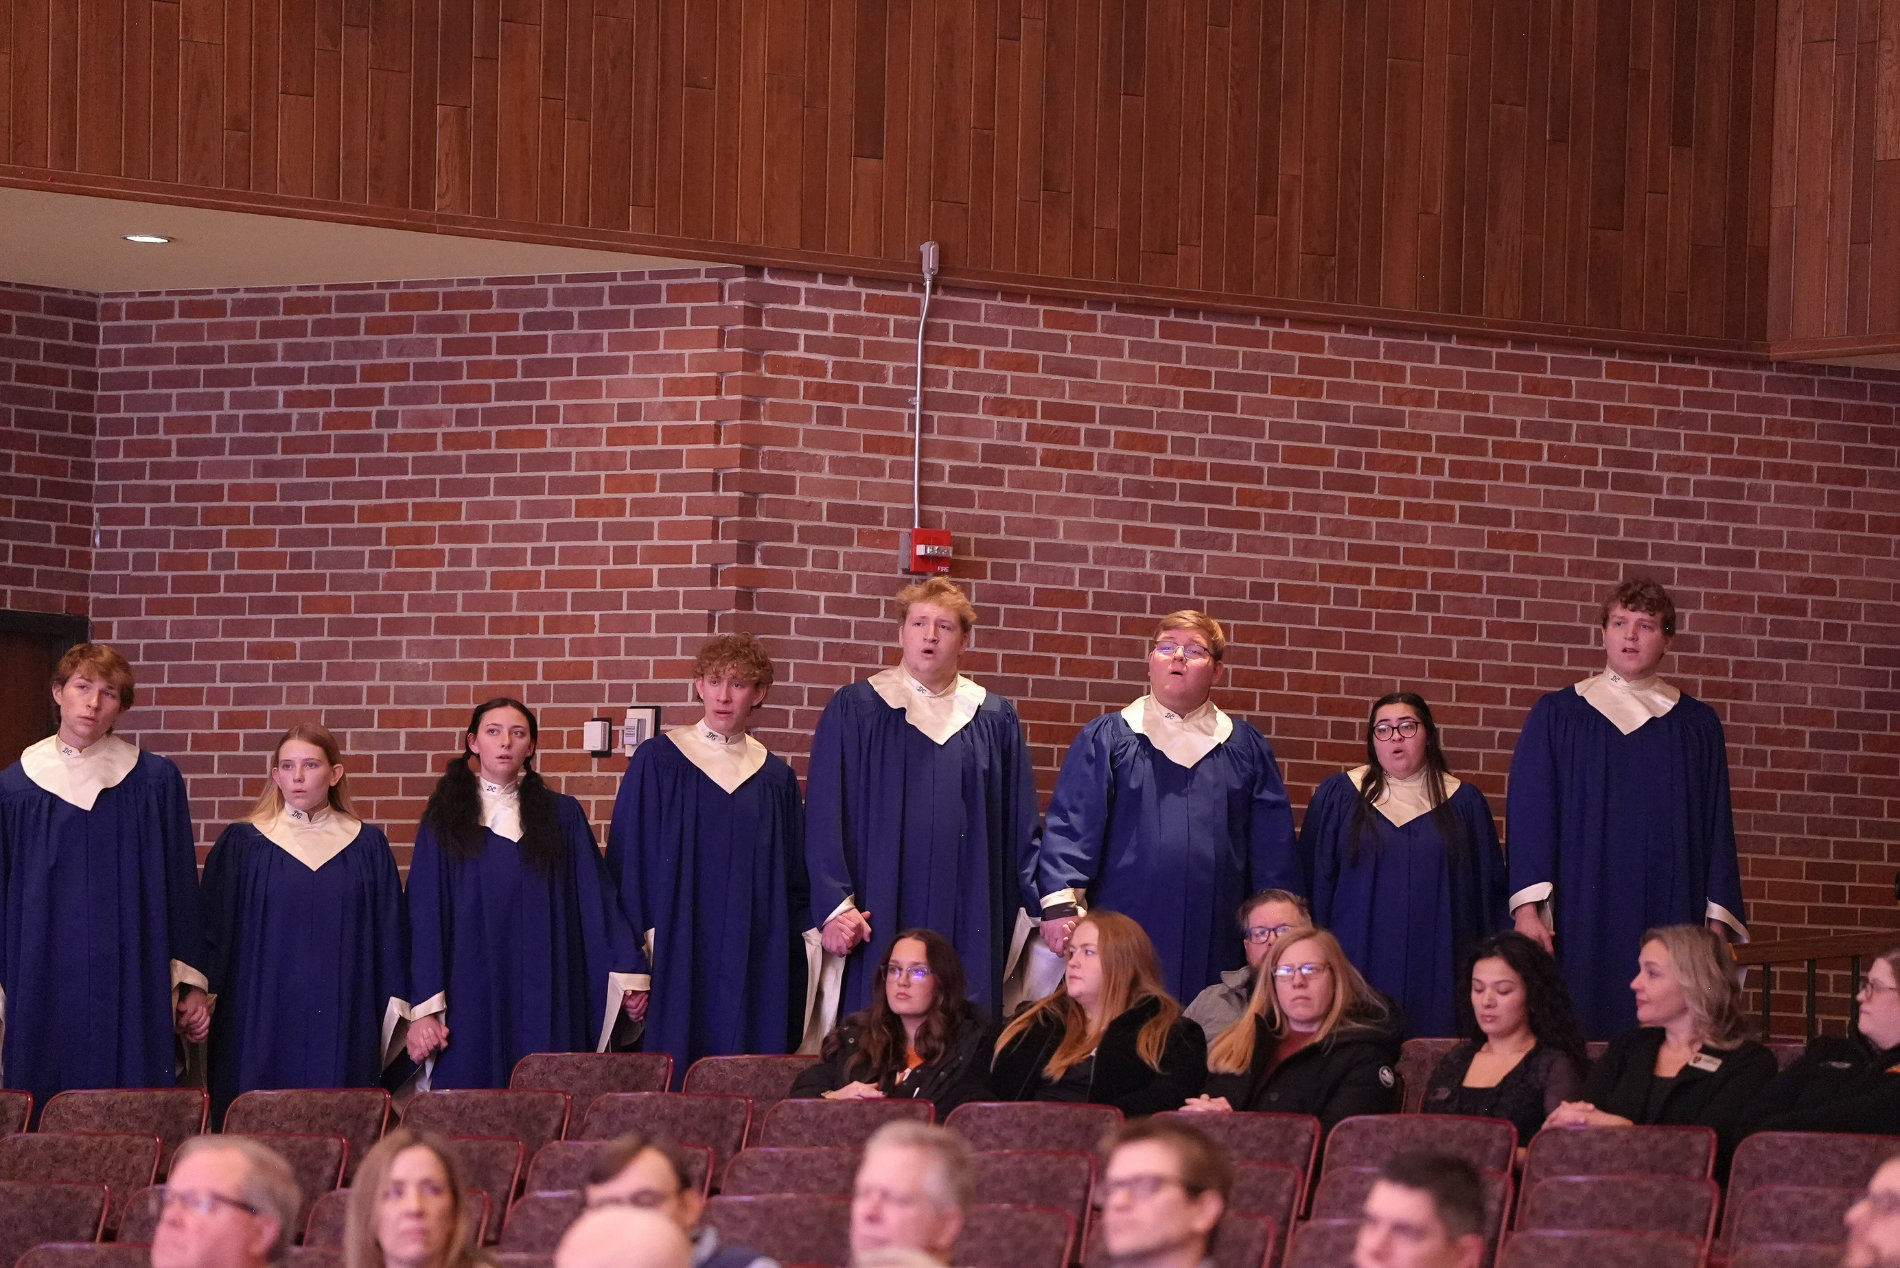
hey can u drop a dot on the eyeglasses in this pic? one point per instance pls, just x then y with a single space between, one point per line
1404 728
1259 934
1193 653
1870 987
643 1199
900 973
1140 1188
162 1199
1305 972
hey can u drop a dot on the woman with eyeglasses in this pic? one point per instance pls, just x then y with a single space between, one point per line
1844 1083
1316 1040
1109 1035
1523 1052
1405 864
409 1207
920 1038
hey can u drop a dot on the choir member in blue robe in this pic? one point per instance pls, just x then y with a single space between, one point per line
1171 812
1618 818
707 845
1406 867
303 914
920 809
101 937
519 943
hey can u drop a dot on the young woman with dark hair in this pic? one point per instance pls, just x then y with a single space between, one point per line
1109 1035
920 1038
518 939
1405 863
1523 1053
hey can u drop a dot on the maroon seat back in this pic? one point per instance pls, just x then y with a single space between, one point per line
358 1114
173 1114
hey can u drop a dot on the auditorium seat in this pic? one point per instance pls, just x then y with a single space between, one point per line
764 1079
124 1162
564 1164
1636 1204
1786 1255
837 1124
537 1220
317 1162
358 1114
492 1164
1290 1139
586 1075
1815 1159
1489 1144
16 1111
1616 1151
1417 1059
995 1125
531 1117
1267 1189
1551 1248
997 1235
173 1114
1322 1243
87 1255
718 1122
791 1228
1788 1213
1062 1180
34 1212
826 1172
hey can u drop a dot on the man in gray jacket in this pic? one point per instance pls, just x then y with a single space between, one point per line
1263 918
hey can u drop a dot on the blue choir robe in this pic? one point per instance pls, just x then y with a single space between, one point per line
1619 832
922 830
99 916
307 956
715 876
515 960
1403 903
1175 846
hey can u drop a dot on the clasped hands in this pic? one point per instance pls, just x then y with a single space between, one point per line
430 1035
846 931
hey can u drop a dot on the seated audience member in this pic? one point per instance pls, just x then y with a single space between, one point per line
622 1237
230 1202
1315 1040
1424 1211
1109 1035
408 1207
1263 918
1522 1054
1687 1061
653 1175
1162 1193
1843 1084
913 1185
920 1038
1873 1223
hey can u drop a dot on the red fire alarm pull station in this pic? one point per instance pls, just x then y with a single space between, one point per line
929 550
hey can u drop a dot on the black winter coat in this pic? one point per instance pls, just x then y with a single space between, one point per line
1120 1077
1354 1071
1837 1085
961 1074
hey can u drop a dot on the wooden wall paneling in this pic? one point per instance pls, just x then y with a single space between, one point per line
1001 46
550 173
816 155
1287 200
730 144
1840 195
484 148
1401 61
518 119
1860 194
1158 190
101 85
1814 161
610 157
424 161
1455 178
1748 195
266 94
200 110
1213 175
1712 146
31 69
135 113
1507 144
1060 151
354 80
1317 269
946 176
1539 170
1359 123
389 160
236 44
62 77
1368 238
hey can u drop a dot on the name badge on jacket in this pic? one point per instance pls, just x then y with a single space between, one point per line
1707 1062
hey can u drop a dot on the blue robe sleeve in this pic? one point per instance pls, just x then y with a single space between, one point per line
220 901
609 938
644 865
1071 854
1274 860
185 923
1323 836
827 831
1725 878
797 875
431 925
1487 859
1531 807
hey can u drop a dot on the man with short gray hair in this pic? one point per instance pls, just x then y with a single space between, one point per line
230 1202
912 1188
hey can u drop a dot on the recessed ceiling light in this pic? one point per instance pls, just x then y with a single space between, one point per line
145 237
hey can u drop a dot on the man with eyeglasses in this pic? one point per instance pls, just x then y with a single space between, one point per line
1162 1195
230 1202
1170 812
652 1175
1263 919
1424 1211
911 1191
1873 1223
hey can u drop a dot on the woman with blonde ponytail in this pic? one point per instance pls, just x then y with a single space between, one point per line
1110 1035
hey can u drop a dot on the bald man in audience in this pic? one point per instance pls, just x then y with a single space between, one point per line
623 1237
913 1186
230 1202
1873 1223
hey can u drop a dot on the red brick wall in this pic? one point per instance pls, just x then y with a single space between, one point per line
48 373
380 504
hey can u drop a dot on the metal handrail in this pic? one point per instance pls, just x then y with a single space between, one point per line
1852 947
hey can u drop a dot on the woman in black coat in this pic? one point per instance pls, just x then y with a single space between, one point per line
919 1039
1844 1083
1315 1039
1110 1035
1687 1063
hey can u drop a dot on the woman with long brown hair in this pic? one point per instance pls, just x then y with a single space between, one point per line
920 1038
409 1207
1315 1039
303 916
1109 1035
